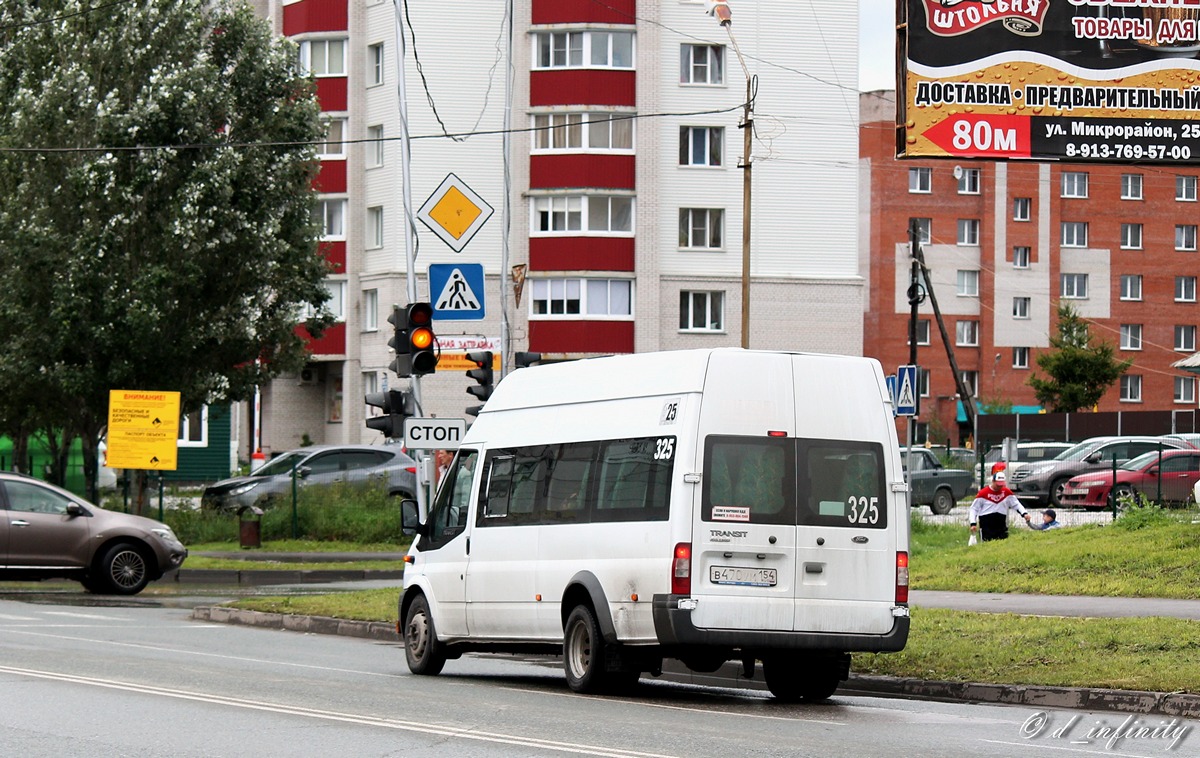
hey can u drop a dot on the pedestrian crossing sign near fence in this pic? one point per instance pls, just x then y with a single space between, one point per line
456 291
906 391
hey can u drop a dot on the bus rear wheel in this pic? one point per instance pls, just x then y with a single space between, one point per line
584 654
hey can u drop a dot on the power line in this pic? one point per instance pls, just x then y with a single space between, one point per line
83 12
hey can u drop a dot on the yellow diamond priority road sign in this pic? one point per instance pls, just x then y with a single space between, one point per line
454 212
143 429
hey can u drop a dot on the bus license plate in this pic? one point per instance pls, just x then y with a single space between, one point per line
750 577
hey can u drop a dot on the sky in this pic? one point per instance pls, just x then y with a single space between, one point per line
877 44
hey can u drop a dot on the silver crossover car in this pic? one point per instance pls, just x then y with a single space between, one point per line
46 532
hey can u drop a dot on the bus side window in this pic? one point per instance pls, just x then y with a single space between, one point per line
499 488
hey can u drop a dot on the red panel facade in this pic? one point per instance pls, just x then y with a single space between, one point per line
335 253
581 336
581 254
582 86
332 177
580 11
331 342
581 170
315 16
331 93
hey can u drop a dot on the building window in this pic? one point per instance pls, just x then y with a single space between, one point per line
1074 286
1022 207
966 333
1074 234
375 227
588 214
375 146
701 228
330 215
920 180
1021 256
1074 184
701 64
336 304
1185 189
1131 336
968 231
610 214
1185 338
578 297
1131 388
701 311
971 380
370 310
922 332
1020 357
1185 237
968 181
700 145
375 64
334 145
193 428
557 214
924 227
968 283
1131 186
582 132
1131 236
923 382
570 49
1021 307
1185 289
1185 389
1131 286
323 57
370 383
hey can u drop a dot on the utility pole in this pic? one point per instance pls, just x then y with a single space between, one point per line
916 296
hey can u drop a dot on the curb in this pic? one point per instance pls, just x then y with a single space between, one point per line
258 577
1075 698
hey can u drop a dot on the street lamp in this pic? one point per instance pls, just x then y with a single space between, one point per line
720 10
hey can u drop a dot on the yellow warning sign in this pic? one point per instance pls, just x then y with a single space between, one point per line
143 429
454 212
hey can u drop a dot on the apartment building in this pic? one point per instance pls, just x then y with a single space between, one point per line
1005 244
617 196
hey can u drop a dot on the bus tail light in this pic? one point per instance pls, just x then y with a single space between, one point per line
901 578
681 569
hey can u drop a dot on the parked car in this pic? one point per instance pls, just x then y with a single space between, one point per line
1027 452
1167 476
930 483
1188 437
54 534
319 465
1043 483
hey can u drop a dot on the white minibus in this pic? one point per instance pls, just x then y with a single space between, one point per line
700 505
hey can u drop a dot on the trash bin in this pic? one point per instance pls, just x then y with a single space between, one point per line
249 526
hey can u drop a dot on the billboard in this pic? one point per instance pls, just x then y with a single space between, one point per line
1077 80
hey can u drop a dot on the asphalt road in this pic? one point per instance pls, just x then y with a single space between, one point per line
138 679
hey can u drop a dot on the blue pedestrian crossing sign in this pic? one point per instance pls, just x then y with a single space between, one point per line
456 291
906 391
891 388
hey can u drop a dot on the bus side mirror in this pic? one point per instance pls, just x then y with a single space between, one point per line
410 518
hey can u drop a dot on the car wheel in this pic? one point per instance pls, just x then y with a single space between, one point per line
583 653
424 654
122 571
791 678
943 501
1056 491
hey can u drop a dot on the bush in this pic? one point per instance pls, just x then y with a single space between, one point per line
347 512
1136 514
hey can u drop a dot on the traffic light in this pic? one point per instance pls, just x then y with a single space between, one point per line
394 406
399 342
419 323
482 373
525 360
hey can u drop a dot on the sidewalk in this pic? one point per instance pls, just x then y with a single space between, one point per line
1076 698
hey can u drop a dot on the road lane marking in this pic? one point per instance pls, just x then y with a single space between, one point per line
349 718
93 616
1085 751
6 617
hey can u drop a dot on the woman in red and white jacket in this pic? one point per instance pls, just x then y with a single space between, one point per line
989 510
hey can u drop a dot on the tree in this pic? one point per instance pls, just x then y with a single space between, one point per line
1079 371
156 169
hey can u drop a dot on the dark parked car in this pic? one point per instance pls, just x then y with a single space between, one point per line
315 466
930 483
1043 483
1166 476
46 532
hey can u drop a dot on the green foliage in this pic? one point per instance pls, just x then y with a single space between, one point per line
1079 371
155 206
347 512
1137 513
